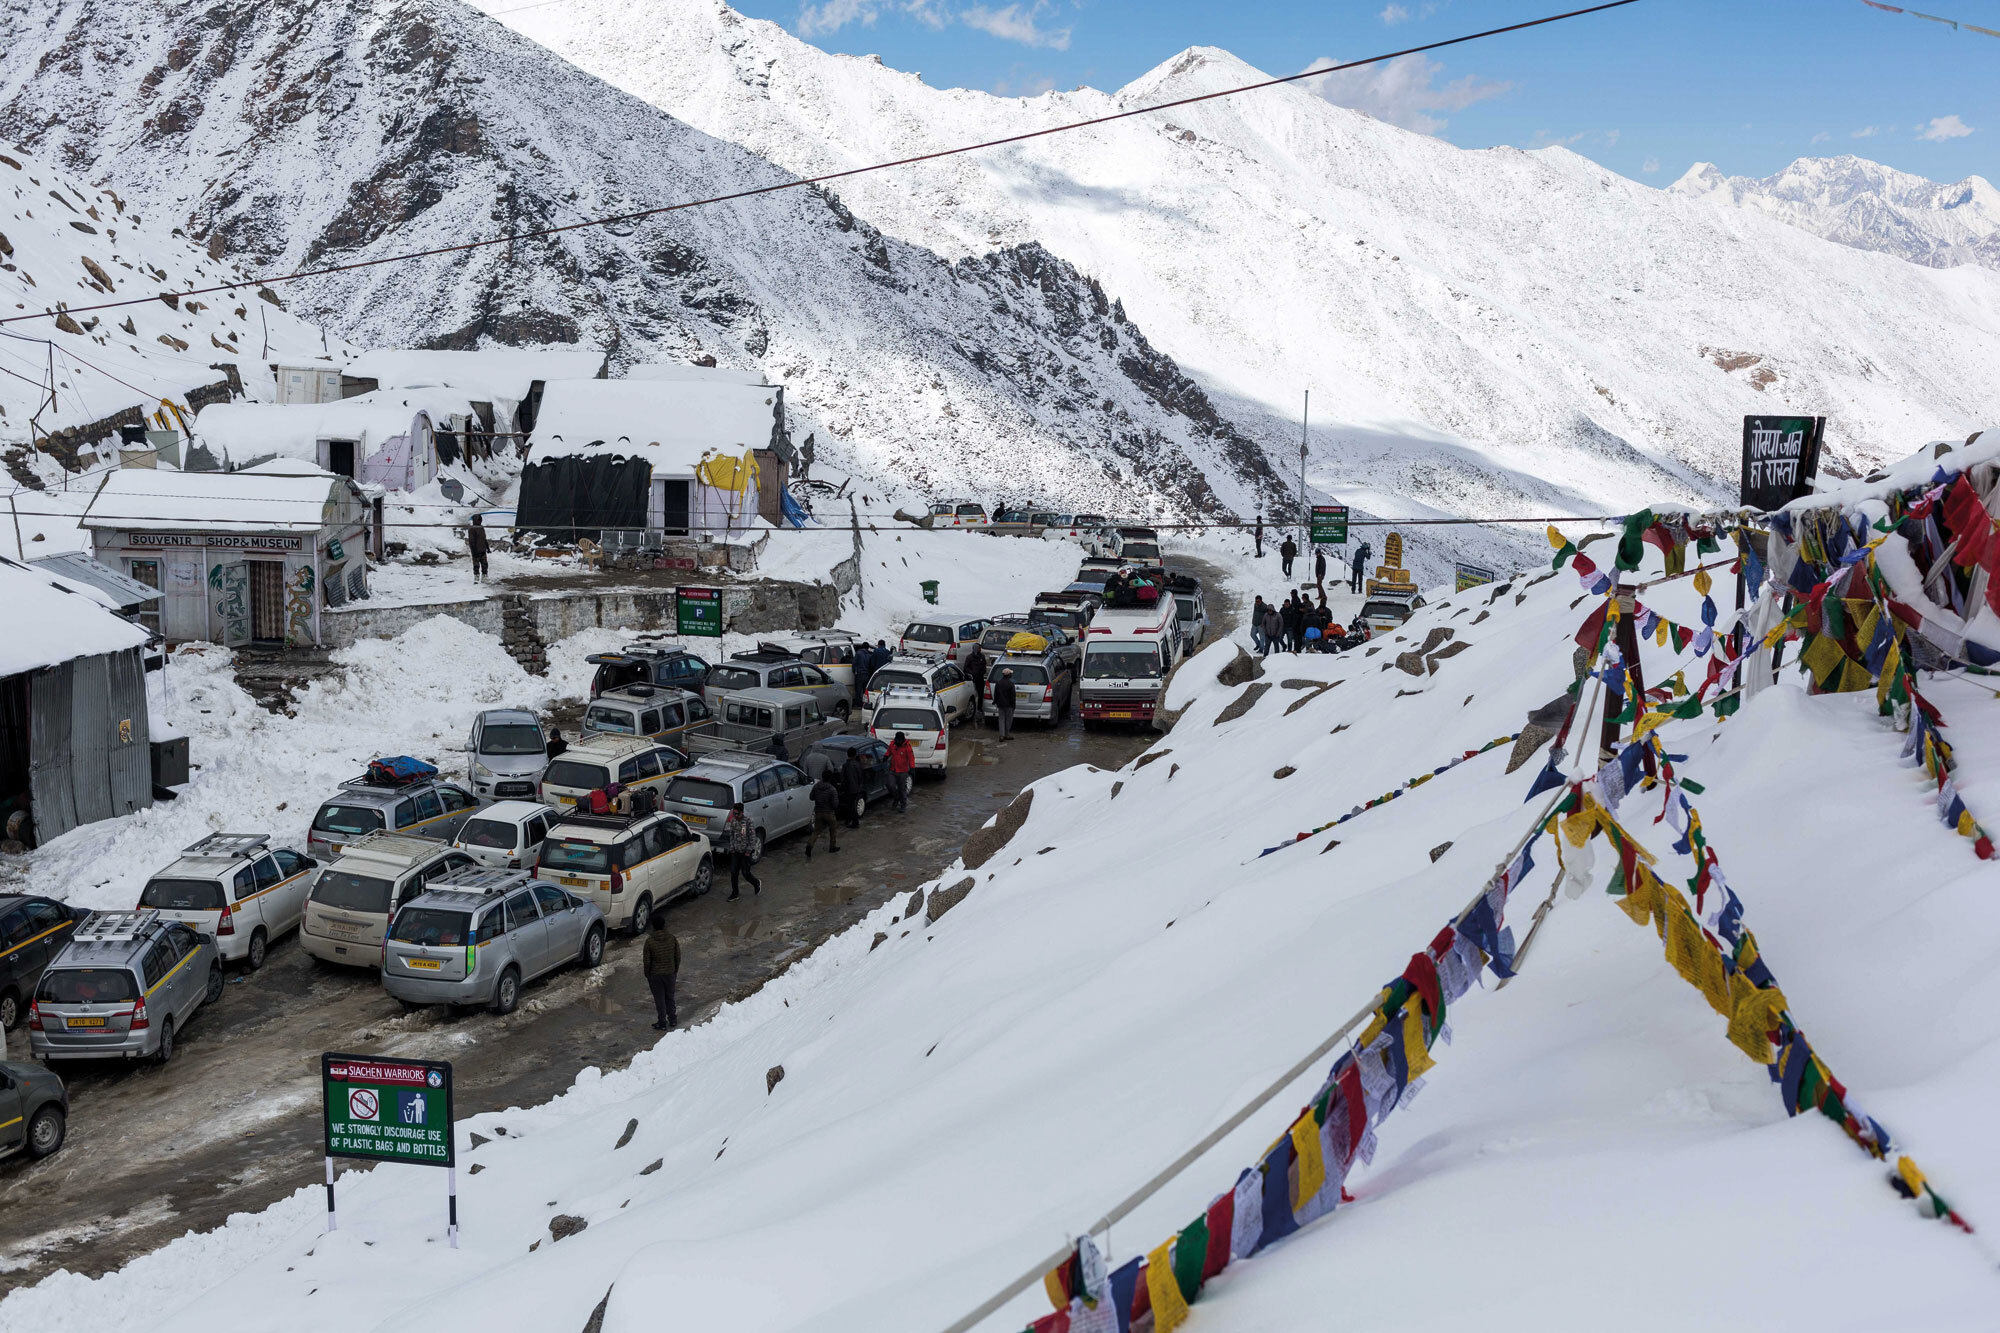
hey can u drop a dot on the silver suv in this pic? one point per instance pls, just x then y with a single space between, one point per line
123 986
777 671
478 936
776 797
505 754
427 806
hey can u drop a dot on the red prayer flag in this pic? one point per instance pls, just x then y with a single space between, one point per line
1593 625
1967 520
1422 973
1221 1223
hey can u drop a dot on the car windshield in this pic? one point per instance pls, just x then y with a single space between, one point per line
349 892
577 856
883 679
1386 610
700 791
183 895
616 720
1146 551
488 833
1062 616
733 678
512 738
970 511
334 817
907 719
431 925
1186 605
921 633
570 773
1094 577
1090 520
1028 675
87 985
1120 664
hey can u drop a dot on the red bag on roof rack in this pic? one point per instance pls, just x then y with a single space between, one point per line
398 770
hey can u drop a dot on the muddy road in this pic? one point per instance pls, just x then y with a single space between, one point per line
233 1123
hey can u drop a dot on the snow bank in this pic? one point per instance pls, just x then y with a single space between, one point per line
1127 968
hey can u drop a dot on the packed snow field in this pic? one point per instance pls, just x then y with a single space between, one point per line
1127 970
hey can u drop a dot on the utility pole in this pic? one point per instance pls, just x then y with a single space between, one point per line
1304 514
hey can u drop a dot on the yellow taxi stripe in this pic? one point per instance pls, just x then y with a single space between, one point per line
268 887
9 1124
170 972
32 938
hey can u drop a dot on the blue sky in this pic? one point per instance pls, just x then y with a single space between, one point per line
1648 89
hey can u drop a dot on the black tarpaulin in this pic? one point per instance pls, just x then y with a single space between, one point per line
578 495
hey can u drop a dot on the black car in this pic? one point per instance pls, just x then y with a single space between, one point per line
642 664
32 932
34 1110
874 762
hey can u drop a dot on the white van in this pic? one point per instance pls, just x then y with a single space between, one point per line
950 636
914 711
235 889
600 759
348 911
1128 653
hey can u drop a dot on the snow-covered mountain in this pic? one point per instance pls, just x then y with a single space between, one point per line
307 133
1478 328
1868 206
65 245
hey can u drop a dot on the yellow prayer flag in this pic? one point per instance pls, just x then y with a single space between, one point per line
1556 540
1912 1177
1890 665
1661 630
1702 582
1640 894
1170 1310
1414 1050
1753 1014
1311 1178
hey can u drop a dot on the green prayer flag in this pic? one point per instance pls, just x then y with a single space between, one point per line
1632 544
1190 1257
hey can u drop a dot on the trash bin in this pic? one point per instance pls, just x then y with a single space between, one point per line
930 590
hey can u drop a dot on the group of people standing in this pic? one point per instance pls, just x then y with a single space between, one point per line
1295 626
868 659
977 667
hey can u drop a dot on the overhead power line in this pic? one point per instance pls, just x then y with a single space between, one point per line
510 238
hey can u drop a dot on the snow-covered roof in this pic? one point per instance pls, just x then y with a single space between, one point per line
248 430
505 373
49 622
682 372
100 581
670 424
280 498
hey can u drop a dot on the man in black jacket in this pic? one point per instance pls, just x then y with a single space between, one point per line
853 786
1288 553
1003 703
826 815
661 962
976 666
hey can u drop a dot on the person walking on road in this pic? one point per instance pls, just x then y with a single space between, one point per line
661 962
742 841
902 770
826 815
1257 639
1260 534
475 541
1361 554
1288 553
1319 571
1003 703
976 667
853 787
1274 629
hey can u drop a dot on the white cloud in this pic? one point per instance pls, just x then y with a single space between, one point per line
833 15
1395 14
1403 91
1015 23
1543 139
1821 137
1652 166
1022 84
1943 128
1611 138
1865 132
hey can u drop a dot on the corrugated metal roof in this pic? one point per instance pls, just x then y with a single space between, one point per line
124 592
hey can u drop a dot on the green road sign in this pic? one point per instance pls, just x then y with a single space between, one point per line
384 1110
1329 525
698 612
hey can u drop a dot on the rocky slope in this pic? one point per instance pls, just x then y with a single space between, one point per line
1868 206
305 133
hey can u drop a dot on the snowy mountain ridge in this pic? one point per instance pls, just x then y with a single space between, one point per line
1479 328
1868 206
302 134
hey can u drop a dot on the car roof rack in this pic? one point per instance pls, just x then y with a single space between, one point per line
226 846
739 757
485 881
115 927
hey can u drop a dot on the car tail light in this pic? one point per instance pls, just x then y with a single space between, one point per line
139 1020
471 958
384 963
617 882
35 1016
226 925
1048 693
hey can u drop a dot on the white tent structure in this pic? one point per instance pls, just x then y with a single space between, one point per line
387 439
509 381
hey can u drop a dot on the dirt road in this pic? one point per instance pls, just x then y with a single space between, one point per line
233 1123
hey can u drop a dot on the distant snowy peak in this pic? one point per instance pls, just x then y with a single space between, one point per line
1868 206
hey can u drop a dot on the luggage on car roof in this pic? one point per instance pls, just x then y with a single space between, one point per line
1027 642
397 770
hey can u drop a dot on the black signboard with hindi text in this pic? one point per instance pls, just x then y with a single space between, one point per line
1780 459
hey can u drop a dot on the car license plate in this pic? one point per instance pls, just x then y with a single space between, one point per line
574 882
565 800
695 819
1119 713
423 964
84 1022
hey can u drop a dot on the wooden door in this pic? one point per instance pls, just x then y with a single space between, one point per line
267 600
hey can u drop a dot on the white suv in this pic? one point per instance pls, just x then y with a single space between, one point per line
914 711
626 865
236 890
955 696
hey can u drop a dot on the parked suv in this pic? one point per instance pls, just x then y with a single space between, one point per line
778 671
122 987
914 711
235 889
776 796
352 900
647 664
599 760
478 936
32 931
626 865
506 834
1000 632
505 754
949 636
831 650
427 806
874 756
654 712
1044 685
954 693
34 1110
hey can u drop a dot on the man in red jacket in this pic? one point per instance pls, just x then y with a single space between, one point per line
902 769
